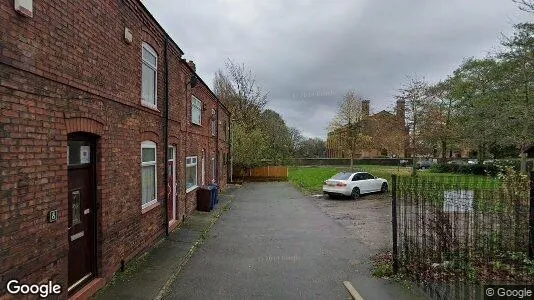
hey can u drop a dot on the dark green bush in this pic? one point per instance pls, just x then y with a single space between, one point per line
486 169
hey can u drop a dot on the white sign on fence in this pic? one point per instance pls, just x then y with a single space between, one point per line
458 201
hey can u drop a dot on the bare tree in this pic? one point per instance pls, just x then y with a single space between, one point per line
414 93
296 139
349 111
238 89
525 5
347 126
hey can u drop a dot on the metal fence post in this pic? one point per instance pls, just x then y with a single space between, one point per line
394 225
531 219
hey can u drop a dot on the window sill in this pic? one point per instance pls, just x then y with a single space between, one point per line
191 189
199 125
149 105
149 206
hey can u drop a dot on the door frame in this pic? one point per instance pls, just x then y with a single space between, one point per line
213 169
173 160
203 161
93 141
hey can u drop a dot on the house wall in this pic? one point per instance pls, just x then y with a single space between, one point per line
68 69
386 130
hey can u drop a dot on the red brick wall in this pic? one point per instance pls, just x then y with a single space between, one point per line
68 69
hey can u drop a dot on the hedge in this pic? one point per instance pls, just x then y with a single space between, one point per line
476 169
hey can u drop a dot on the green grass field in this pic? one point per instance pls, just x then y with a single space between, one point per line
311 179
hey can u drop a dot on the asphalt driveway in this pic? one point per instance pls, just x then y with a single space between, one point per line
274 243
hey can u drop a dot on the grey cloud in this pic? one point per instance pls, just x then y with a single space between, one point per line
309 53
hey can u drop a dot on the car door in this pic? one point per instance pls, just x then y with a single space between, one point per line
355 182
367 183
374 183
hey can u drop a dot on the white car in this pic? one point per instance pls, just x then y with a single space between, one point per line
354 184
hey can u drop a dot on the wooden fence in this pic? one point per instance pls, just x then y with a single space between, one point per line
269 173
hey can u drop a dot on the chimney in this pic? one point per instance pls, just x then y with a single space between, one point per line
401 110
365 108
192 65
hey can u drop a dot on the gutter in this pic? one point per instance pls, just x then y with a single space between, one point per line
166 140
217 153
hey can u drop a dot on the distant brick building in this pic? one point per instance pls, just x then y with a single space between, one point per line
388 133
99 128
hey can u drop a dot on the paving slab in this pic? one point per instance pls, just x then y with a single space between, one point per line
145 278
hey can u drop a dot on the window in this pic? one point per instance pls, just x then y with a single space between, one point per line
148 173
213 122
196 111
149 77
341 176
78 153
357 177
368 176
190 173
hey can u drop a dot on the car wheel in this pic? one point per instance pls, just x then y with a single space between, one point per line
326 196
355 193
384 187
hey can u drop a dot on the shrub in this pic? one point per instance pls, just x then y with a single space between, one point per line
486 169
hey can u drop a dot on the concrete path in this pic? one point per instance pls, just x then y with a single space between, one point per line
274 243
147 277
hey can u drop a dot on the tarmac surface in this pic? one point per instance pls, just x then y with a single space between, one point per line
275 243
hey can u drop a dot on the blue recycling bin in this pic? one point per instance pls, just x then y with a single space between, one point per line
214 193
212 198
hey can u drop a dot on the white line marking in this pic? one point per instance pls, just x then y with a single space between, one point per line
352 291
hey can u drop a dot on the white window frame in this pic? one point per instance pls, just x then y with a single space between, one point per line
150 145
196 104
154 68
191 161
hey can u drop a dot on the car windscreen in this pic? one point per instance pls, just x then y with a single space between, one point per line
341 176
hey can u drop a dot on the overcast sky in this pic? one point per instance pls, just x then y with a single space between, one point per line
308 53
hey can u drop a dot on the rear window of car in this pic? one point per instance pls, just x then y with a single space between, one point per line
341 176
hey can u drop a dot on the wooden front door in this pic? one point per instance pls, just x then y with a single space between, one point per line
81 211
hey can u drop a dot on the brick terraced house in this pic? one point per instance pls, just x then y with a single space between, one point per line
106 133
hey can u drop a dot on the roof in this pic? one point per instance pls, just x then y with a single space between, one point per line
159 25
383 112
184 61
